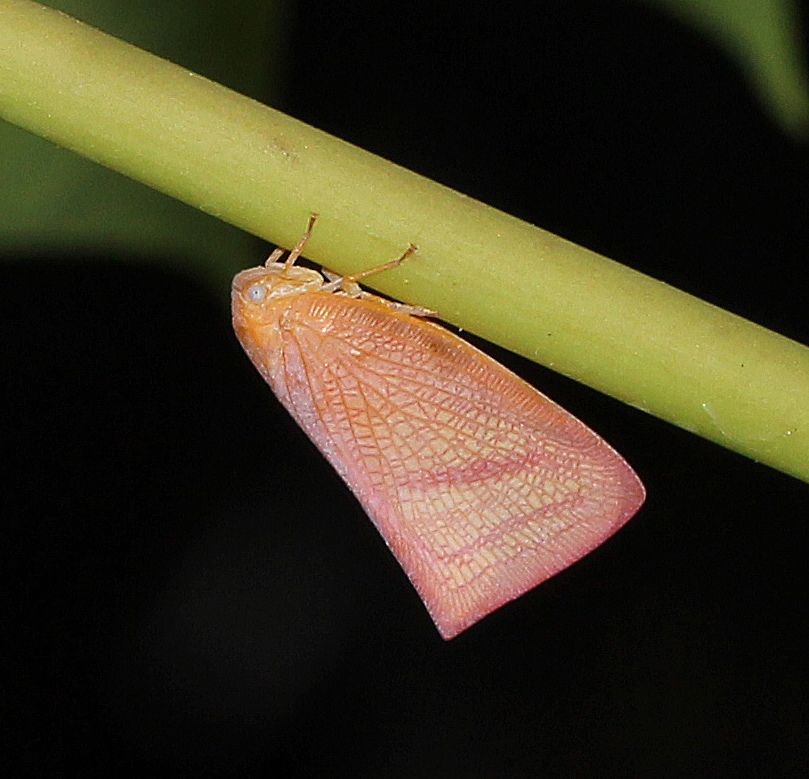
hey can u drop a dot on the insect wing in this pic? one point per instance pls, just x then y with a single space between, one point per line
481 486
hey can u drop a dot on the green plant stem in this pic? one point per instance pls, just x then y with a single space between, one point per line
623 333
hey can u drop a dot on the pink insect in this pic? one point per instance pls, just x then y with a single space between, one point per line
481 486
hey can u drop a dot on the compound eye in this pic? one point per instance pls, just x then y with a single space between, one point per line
256 293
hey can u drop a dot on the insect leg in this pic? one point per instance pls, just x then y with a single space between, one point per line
298 248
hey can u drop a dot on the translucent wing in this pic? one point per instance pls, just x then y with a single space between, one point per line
481 486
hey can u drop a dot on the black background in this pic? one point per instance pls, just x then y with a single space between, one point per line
194 590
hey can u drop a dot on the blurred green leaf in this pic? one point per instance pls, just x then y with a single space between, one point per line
52 199
765 39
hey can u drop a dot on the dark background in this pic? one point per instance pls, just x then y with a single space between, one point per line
194 590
